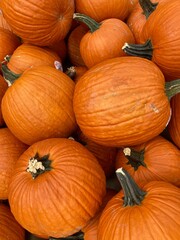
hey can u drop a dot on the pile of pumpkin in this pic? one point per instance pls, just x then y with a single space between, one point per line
90 119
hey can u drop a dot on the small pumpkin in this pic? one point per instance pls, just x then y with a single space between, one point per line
9 227
41 24
3 88
10 150
123 101
95 46
39 104
158 159
67 181
160 40
174 124
151 212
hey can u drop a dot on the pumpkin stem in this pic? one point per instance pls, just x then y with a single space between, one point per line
71 72
132 193
135 158
38 165
148 7
76 236
172 88
8 75
91 23
144 50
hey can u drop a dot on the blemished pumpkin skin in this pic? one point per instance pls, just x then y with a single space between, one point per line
8 43
156 160
104 9
10 150
174 124
39 104
9 227
104 40
122 102
152 213
3 88
160 39
69 190
73 45
41 24
27 56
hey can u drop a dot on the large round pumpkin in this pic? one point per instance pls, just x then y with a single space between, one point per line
39 105
122 102
10 229
56 187
3 88
41 23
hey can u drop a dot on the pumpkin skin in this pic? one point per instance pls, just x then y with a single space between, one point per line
8 43
161 158
156 217
45 23
116 104
69 194
3 22
3 88
10 151
47 106
103 9
9 227
27 56
174 124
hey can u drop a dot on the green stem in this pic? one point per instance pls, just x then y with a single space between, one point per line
91 23
76 236
135 158
172 88
144 50
133 195
148 7
8 75
38 165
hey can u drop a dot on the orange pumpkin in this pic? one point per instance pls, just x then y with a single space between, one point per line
174 124
10 150
122 102
152 212
3 22
3 88
9 227
60 48
61 184
95 46
158 159
160 40
41 24
39 104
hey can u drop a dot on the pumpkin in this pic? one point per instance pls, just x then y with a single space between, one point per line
67 181
3 88
160 40
151 212
11 149
27 56
60 48
3 22
73 45
39 104
9 227
104 9
8 43
123 101
41 24
95 46
158 159
174 124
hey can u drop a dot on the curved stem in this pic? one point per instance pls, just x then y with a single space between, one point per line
133 195
148 7
76 236
172 88
140 50
38 165
91 23
8 75
135 158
